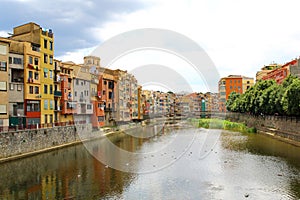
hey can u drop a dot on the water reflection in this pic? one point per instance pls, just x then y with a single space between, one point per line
239 166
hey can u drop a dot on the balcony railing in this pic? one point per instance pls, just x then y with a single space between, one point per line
57 93
57 108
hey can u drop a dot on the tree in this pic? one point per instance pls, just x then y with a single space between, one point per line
231 104
291 98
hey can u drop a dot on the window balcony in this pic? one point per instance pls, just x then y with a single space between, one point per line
57 93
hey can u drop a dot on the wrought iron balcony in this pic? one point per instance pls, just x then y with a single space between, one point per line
57 93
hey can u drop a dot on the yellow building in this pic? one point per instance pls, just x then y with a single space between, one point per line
4 54
42 43
247 83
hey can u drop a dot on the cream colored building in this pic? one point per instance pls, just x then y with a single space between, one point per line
4 54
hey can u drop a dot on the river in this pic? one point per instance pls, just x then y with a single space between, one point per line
175 163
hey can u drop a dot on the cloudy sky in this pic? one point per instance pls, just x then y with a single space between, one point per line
239 36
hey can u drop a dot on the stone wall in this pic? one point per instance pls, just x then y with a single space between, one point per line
28 141
287 127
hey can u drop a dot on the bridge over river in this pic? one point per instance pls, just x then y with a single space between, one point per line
174 162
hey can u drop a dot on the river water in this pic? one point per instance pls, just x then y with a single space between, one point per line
175 163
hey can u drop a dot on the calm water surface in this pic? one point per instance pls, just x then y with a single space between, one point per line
172 165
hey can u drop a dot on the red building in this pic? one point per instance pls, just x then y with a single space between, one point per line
280 74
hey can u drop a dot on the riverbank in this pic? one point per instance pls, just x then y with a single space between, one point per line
281 128
24 143
221 124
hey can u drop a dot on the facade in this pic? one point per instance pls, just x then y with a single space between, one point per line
4 105
232 83
67 104
279 74
38 71
57 90
82 94
16 90
107 86
266 69
92 63
222 95
123 96
212 102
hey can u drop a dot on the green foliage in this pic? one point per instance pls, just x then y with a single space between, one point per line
268 97
291 98
221 124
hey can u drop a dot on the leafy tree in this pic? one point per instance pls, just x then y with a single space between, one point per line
291 98
230 103
267 97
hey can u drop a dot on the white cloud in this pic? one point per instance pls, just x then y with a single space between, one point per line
4 33
76 56
239 36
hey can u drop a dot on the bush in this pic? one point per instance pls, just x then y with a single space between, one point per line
221 124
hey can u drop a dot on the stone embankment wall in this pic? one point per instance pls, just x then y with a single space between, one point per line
28 141
283 126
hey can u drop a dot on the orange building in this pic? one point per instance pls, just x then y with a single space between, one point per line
232 83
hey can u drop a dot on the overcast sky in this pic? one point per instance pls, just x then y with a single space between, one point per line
239 36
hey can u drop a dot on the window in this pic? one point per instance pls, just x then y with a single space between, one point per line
51 45
50 118
51 89
3 49
45 43
3 109
45 104
77 82
36 90
45 58
230 87
45 73
239 88
18 61
50 74
3 86
11 86
248 82
89 106
36 61
30 89
46 119
75 94
36 75
3 66
105 82
87 93
19 87
30 60
51 104
110 95
30 74
10 60
100 118
45 89
103 92
33 106
51 60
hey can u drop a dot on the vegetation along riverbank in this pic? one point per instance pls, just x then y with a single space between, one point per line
221 124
